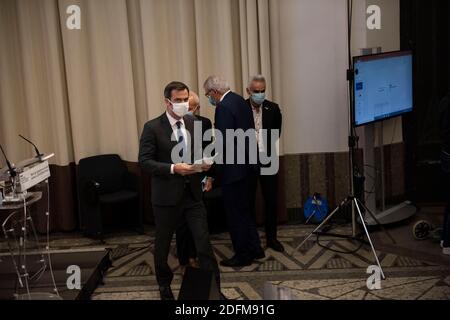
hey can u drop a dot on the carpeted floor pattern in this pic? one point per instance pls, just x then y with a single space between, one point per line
313 272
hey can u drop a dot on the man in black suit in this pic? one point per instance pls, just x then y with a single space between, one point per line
267 116
232 113
165 151
187 254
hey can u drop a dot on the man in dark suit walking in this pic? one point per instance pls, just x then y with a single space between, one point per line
232 113
187 254
267 116
165 151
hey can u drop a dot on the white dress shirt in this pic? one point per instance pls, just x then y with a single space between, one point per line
257 117
225 95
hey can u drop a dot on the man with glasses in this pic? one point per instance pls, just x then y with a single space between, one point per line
232 114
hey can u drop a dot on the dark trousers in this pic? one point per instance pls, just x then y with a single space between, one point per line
185 244
241 223
445 164
167 220
269 190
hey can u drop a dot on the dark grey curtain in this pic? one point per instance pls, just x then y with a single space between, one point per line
425 28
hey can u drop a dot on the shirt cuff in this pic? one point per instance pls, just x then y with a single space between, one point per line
171 169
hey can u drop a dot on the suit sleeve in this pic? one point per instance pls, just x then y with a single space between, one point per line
147 154
207 125
212 171
278 118
223 120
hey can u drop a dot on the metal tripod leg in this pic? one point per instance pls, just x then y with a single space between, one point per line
376 220
312 215
320 225
368 236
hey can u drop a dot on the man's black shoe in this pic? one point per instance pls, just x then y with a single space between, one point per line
166 293
275 245
260 255
235 262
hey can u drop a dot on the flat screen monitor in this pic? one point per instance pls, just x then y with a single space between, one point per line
382 86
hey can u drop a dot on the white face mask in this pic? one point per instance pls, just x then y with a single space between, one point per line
180 109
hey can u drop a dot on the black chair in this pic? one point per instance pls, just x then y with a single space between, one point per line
104 182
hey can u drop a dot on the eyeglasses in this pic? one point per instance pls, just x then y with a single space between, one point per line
259 91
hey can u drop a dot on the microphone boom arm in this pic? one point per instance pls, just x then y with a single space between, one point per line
38 154
12 171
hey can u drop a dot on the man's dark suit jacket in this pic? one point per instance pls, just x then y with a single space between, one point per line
206 125
271 119
155 157
233 113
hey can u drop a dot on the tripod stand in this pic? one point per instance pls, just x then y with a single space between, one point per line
358 205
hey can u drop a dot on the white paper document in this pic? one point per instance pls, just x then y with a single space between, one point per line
198 164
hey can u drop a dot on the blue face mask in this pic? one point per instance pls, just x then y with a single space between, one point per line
258 98
190 113
212 101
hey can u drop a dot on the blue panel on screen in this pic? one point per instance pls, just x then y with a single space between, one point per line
383 86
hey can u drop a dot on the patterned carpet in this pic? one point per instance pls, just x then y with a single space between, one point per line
311 273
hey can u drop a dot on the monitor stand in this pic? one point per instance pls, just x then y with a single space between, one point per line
385 215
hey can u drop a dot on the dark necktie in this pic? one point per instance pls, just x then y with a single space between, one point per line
180 138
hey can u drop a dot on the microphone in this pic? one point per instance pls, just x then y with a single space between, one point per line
38 154
12 172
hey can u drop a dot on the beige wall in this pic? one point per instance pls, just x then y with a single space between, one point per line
388 38
313 49
313 84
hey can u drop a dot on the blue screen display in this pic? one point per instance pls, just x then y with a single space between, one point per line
383 86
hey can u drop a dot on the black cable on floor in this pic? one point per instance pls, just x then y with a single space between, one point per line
338 251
